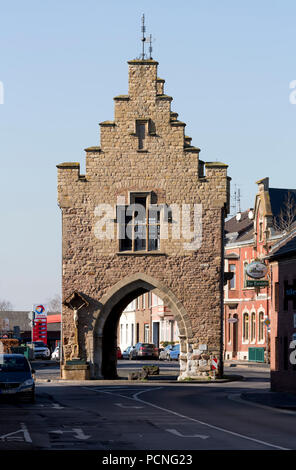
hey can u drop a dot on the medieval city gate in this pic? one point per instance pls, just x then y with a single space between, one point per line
148 215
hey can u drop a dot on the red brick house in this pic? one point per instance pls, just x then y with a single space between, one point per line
282 261
250 236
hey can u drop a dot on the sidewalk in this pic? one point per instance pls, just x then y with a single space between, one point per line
280 400
261 365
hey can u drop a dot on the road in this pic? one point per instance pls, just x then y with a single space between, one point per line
151 415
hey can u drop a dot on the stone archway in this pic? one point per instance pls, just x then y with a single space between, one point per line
104 360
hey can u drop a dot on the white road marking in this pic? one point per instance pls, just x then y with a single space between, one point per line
12 435
217 428
177 433
126 406
211 426
111 389
78 433
57 406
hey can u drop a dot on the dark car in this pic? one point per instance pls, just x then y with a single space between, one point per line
144 350
16 377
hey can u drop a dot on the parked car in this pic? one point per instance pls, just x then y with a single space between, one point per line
56 354
41 351
175 353
126 352
144 350
16 377
119 354
164 353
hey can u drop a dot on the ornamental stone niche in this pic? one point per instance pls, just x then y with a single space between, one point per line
113 251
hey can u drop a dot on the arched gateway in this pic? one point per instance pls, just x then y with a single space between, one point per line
148 215
112 305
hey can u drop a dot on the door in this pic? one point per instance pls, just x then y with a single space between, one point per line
155 333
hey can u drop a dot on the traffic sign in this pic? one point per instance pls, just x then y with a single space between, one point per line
214 363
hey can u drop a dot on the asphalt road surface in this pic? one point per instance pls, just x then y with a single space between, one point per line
146 416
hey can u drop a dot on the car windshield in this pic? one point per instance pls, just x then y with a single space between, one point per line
13 364
147 345
39 344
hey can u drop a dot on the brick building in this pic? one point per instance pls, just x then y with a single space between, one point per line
145 158
282 260
147 319
250 235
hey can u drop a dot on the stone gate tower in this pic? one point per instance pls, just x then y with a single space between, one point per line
114 252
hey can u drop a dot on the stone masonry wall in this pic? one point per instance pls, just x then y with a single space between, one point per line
169 168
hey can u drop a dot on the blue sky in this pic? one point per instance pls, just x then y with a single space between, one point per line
228 65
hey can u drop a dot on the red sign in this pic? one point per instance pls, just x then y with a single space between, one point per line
214 363
40 329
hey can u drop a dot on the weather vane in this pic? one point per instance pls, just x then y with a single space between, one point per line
145 40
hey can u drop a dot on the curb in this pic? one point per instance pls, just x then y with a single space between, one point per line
230 378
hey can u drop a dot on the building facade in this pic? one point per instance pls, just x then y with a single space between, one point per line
147 320
111 257
282 260
250 236
16 324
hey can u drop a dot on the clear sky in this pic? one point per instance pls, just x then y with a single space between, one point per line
228 65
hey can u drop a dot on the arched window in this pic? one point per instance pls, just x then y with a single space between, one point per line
253 326
261 327
246 327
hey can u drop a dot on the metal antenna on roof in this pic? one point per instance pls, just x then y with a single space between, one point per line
239 200
150 46
143 29
234 199
145 40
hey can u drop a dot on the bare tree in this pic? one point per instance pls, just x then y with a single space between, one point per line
54 304
286 218
5 305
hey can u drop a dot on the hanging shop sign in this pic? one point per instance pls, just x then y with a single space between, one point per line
256 270
257 283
